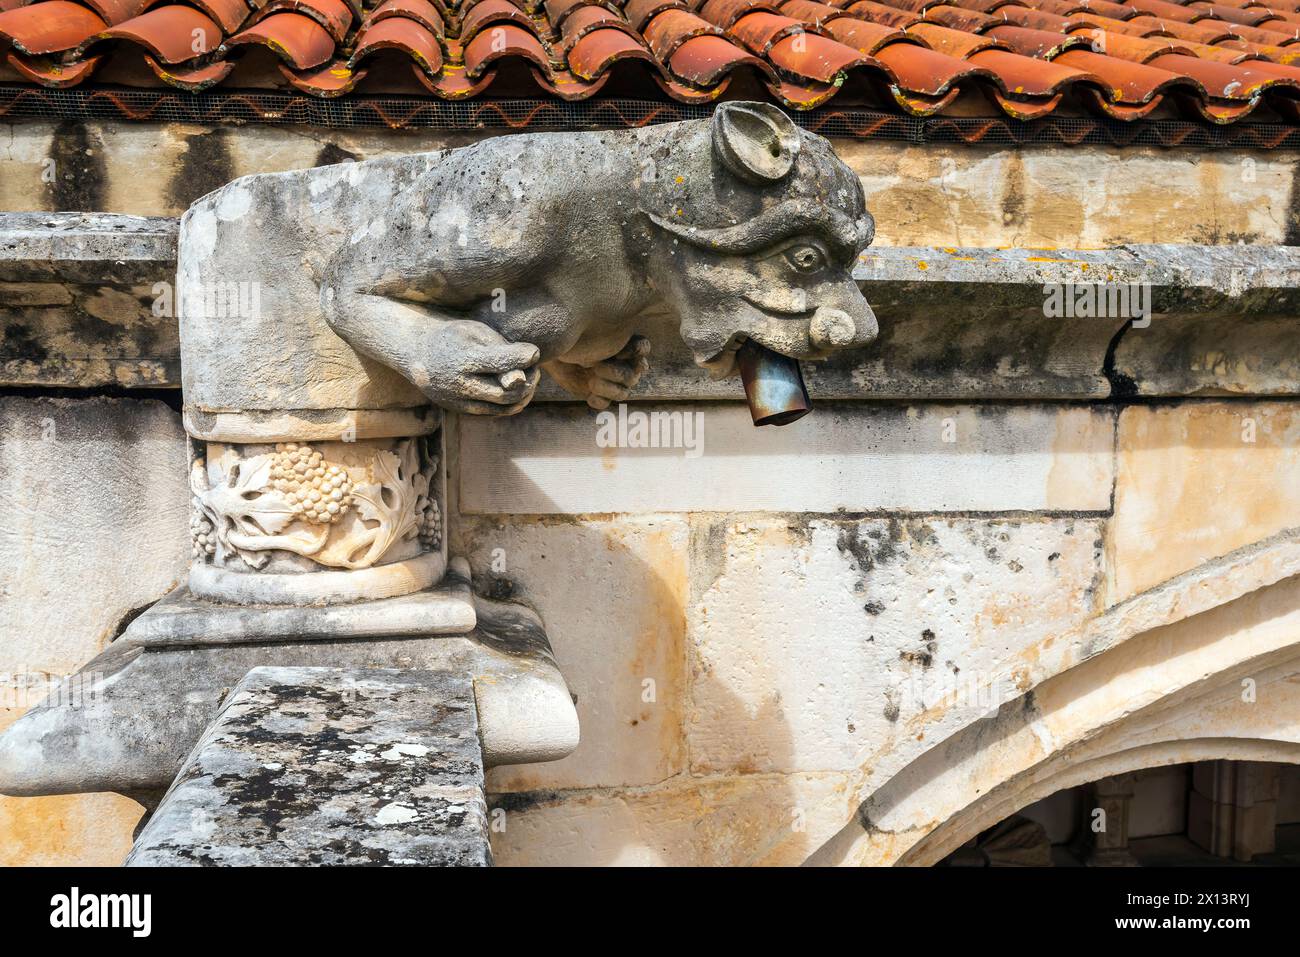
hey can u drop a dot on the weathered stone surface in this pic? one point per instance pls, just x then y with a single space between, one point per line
78 830
67 830
816 642
843 457
954 321
613 596
1066 198
757 819
85 247
971 322
1196 481
94 515
126 721
317 524
159 169
312 766
77 300
267 239
1205 354
806 650
934 193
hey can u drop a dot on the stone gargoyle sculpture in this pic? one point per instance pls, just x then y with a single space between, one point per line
544 251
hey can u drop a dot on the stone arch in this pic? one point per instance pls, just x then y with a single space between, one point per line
1205 666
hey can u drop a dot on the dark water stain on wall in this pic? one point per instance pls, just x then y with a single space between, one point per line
205 165
78 171
1292 224
332 153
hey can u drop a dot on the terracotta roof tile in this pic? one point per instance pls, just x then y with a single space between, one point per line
421 11
115 11
411 37
334 15
498 41
1219 60
193 79
49 27
173 34
50 72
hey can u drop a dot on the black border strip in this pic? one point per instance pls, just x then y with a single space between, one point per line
18 101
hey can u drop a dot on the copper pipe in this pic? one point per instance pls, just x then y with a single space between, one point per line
773 385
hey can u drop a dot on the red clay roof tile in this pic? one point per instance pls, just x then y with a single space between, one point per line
703 61
230 14
641 12
48 71
334 79
297 39
334 15
865 36
173 34
192 79
393 33
115 11
49 27
488 12
498 41
421 11
595 51
590 17
1219 60
666 31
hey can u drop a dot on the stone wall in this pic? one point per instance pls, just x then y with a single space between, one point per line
94 527
769 631
741 667
928 195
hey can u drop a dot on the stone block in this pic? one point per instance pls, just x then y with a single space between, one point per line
94 524
77 300
814 641
776 819
843 457
68 830
1196 481
613 596
311 766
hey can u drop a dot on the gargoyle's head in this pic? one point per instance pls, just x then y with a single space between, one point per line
758 232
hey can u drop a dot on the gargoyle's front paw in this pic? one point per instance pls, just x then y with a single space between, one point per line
478 371
610 380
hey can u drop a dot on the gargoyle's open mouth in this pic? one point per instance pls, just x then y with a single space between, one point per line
722 363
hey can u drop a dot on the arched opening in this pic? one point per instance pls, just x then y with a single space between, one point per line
1205 668
1196 814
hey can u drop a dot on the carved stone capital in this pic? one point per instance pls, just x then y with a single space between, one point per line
310 522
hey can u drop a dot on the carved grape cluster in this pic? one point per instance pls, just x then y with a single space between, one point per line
430 524
202 535
318 492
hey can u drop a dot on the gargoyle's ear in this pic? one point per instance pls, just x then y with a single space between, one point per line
756 141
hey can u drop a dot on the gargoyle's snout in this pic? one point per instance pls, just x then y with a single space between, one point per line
833 329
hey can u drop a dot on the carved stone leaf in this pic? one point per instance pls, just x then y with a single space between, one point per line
390 501
247 513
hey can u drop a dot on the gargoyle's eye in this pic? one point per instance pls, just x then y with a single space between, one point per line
806 259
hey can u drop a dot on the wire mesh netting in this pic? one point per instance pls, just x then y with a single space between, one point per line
414 113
